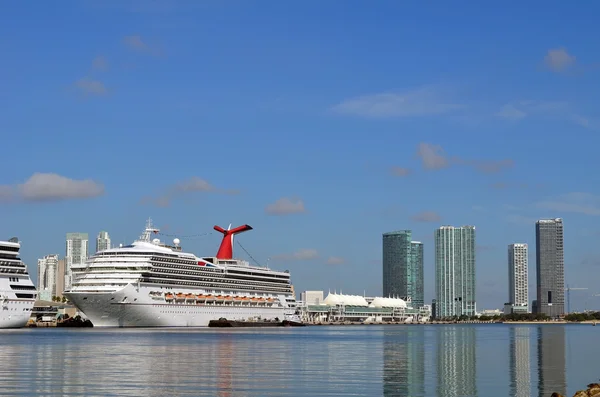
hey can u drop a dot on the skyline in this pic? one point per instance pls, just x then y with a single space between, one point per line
354 120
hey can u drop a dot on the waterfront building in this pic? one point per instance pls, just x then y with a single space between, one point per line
455 271
417 294
518 296
311 297
60 277
76 253
403 267
102 241
550 267
47 275
342 307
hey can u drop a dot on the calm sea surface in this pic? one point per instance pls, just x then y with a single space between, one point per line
463 360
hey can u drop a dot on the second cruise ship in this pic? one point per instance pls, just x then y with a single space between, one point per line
17 292
151 284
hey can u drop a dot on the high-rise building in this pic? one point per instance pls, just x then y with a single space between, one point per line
102 241
455 271
550 267
60 277
417 274
76 253
518 287
47 274
403 267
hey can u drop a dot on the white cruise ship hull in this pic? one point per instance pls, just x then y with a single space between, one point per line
134 307
17 292
15 313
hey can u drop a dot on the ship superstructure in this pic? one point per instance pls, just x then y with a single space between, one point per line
149 283
17 292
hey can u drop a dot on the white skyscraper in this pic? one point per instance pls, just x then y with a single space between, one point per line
77 253
518 296
47 272
455 271
102 241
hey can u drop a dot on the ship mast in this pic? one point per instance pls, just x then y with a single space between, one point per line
148 231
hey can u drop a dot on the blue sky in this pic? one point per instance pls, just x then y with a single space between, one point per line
322 125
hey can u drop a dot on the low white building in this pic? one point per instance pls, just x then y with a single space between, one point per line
341 307
312 297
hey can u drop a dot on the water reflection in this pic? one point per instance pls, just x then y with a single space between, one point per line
404 363
551 360
456 361
392 361
519 363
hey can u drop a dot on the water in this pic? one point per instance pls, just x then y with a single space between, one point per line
449 360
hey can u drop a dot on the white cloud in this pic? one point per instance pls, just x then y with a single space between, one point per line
400 171
136 43
558 59
191 185
194 184
91 87
424 101
51 187
7 193
285 206
510 112
427 216
100 63
519 110
433 157
335 260
577 202
305 254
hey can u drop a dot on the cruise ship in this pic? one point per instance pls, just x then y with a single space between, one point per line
17 292
151 284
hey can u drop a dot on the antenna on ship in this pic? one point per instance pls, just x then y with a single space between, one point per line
148 231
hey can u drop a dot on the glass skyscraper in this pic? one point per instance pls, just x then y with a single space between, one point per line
455 271
403 267
550 267
418 291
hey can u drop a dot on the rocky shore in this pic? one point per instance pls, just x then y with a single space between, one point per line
593 390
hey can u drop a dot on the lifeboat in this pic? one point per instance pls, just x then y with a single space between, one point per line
261 299
201 296
180 296
228 298
219 297
210 298
237 298
254 299
168 296
245 299
270 300
190 296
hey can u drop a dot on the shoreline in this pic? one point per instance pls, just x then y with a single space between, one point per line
553 322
